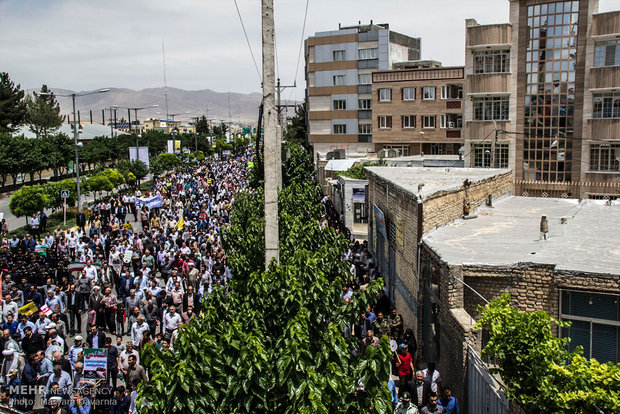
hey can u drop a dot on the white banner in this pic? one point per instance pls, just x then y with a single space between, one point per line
150 202
142 154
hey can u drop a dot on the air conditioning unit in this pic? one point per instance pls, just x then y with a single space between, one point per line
450 124
392 153
339 154
382 153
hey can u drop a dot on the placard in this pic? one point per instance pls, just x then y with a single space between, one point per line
95 363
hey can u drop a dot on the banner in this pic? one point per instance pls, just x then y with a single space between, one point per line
95 363
79 266
150 202
359 195
180 223
41 249
141 154
379 220
170 146
28 309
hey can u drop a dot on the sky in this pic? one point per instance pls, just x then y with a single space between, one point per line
85 45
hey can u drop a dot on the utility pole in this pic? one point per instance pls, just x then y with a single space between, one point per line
272 153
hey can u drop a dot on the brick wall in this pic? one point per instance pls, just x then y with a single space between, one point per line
442 208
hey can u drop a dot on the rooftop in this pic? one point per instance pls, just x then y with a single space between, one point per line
509 233
433 180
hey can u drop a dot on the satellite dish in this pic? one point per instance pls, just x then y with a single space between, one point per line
393 345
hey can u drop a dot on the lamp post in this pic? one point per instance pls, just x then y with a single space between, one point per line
75 138
180 113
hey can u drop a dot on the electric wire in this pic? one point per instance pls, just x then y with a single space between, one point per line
301 46
472 150
260 77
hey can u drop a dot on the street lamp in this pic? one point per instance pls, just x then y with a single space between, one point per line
180 113
135 111
75 137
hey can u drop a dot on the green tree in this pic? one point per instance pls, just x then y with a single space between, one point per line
57 151
296 130
98 184
538 369
114 176
43 113
220 130
138 169
274 342
28 200
164 162
202 126
12 105
53 193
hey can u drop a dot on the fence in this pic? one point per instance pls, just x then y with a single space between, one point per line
485 394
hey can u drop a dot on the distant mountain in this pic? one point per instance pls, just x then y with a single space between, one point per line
216 106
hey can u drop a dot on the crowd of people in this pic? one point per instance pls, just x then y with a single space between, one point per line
127 269
425 393
138 267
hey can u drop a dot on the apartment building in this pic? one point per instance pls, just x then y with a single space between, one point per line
542 98
339 66
418 111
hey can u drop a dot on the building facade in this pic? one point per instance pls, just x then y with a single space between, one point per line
418 111
541 98
339 66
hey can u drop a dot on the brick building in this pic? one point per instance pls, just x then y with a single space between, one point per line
405 203
339 64
419 110
438 264
550 78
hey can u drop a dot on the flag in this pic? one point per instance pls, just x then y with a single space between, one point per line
78 266
28 309
180 223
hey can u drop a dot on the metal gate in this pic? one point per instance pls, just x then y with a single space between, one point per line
485 394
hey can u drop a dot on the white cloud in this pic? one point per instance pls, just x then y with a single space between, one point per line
84 45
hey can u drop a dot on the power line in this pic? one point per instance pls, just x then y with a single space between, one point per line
260 78
473 147
301 46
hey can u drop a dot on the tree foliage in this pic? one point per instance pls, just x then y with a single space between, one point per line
28 200
537 367
138 169
202 125
43 112
165 162
12 104
296 130
273 343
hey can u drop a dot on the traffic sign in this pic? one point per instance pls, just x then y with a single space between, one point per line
64 193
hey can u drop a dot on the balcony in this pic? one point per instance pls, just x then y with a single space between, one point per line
605 77
453 133
488 83
454 104
604 128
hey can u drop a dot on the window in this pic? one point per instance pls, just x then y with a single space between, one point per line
340 129
365 104
367 53
493 61
428 121
340 104
408 94
385 121
491 108
428 92
385 94
452 92
360 213
442 121
606 105
364 78
339 55
340 80
607 53
605 157
482 155
595 323
408 121
365 129
403 150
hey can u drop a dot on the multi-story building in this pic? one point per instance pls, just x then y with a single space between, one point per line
418 111
339 66
549 78
162 125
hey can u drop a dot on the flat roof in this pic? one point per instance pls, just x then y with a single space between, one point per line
434 179
509 233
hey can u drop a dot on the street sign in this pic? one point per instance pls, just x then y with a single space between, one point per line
64 193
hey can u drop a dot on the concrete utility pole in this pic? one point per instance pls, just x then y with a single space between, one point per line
272 151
